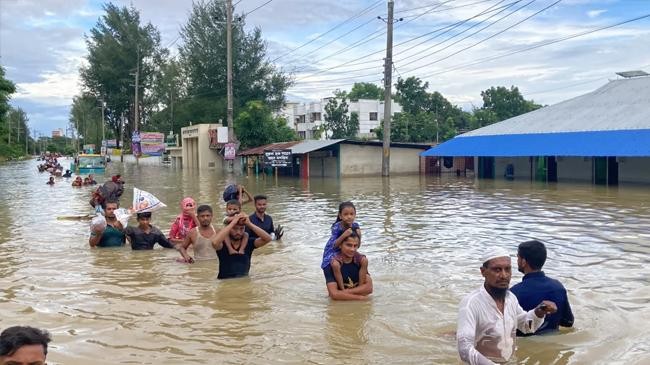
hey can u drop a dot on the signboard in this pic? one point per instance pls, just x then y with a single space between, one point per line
230 151
89 148
110 143
152 143
222 134
135 144
278 158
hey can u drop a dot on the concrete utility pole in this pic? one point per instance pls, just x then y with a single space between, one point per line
231 131
229 112
136 112
103 123
388 68
136 109
122 137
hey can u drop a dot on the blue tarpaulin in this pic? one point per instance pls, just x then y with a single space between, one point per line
594 143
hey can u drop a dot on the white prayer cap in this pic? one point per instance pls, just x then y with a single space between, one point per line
493 253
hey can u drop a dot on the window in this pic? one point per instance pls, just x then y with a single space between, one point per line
315 117
373 115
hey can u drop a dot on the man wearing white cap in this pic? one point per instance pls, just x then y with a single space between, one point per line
489 317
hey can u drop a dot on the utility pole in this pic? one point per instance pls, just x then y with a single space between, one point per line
171 110
231 131
136 110
103 123
122 137
388 68
229 112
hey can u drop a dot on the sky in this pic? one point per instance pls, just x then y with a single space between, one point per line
460 47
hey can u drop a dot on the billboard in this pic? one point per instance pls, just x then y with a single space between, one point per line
152 143
230 151
277 158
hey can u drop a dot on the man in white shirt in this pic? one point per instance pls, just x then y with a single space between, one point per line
489 317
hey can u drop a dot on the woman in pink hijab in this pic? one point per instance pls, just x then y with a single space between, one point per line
184 222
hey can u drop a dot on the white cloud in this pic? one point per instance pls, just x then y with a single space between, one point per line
595 13
56 89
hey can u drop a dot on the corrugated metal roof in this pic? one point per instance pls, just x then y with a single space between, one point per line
629 143
619 105
313 145
271 146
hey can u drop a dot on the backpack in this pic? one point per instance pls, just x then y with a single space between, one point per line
231 193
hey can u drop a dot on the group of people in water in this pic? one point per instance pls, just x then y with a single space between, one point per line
489 318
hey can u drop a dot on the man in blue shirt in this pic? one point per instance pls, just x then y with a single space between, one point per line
263 220
536 286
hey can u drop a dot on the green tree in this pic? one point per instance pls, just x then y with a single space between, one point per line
365 90
6 89
203 59
169 92
505 103
255 126
85 116
338 121
119 45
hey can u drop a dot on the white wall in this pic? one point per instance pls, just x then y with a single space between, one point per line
574 168
521 165
634 170
365 160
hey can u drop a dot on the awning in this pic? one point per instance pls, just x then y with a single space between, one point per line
629 143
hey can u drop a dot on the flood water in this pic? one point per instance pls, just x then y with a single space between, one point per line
423 237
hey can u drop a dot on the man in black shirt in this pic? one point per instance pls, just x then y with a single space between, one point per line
263 220
145 236
237 264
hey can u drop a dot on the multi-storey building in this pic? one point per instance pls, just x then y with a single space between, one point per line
306 118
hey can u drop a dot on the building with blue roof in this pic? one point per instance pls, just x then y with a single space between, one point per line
602 137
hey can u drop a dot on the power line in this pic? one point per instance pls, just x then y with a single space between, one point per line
543 44
365 10
358 43
486 39
469 35
257 8
487 10
339 37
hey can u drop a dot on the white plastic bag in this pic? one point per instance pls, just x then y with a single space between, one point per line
145 202
98 224
122 215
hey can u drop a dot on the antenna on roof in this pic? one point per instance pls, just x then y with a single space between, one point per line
631 74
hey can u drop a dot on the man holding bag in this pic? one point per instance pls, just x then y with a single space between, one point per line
110 235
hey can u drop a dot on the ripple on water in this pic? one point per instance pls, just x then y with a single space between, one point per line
423 237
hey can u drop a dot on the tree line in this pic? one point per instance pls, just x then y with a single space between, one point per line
425 116
174 91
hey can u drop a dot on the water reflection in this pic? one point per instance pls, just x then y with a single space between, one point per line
422 235
347 332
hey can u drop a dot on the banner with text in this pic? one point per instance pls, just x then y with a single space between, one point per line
277 158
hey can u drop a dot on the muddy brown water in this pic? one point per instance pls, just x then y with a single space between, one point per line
422 235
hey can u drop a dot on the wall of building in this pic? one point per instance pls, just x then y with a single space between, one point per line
323 167
365 160
634 170
521 167
574 169
196 148
300 115
145 161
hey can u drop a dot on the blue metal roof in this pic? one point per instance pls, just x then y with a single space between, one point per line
593 143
